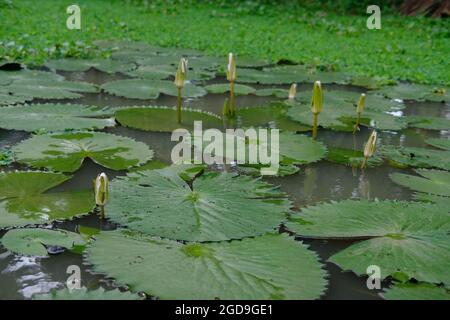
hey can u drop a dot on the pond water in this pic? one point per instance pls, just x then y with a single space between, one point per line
21 277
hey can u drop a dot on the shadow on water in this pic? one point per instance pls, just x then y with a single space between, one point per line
20 277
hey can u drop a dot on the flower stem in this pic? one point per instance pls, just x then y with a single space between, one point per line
179 106
358 119
232 98
363 165
315 120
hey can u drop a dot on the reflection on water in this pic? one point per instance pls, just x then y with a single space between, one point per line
20 277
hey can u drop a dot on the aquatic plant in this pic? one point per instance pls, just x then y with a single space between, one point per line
316 105
359 109
369 148
180 78
101 188
292 91
231 77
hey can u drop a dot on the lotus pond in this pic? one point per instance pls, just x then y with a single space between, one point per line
192 231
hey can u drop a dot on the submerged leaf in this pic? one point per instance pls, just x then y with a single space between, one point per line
408 237
24 200
54 117
34 242
267 267
66 152
161 203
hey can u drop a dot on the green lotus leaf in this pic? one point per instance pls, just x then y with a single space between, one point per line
277 92
54 117
439 143
419 92
371 83
33 242
163 119
24 200
255 170
161 203
149 89
408 237
427 197
239 89
8 99
84 294
185 171
273 266
7 77
151 72
432 181
417 157
276 75
430 123
104 65
249 62
66 152
273 116
351 157
416 291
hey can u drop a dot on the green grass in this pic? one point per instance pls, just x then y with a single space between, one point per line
405 48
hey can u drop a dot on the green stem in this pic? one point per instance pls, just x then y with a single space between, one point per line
232 98
179 106
364 163
315 121
358 119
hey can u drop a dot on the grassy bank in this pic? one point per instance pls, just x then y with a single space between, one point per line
413 49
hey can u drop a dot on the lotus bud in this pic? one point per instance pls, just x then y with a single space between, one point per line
361 103
101 189
370 147
180 75
292 91
231 68
317 98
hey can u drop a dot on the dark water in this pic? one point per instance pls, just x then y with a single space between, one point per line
21 277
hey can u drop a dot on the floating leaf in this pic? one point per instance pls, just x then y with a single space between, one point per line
33 242
267 267
149 89
408 237
84 294
239 89
255 170
440 200
300 149
420 92
7 77
66 152
434 181
248 62
417 157
416 291
277 92
161 203
108 66
439 143
351 157
7 98
25 200
54 117
430 123
163 119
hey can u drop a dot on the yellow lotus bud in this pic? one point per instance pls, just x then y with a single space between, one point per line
292 91
101 189
231 68
371 144
361 103
317 98
180 76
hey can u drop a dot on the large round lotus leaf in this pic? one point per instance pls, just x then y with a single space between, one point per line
54 117
8 99
369 82
271 76
48 89
408 237
149 89
161 203
105 65
273 266
151 72
416 291
239 89
439 143
420 92
432 181
430 123
33 242
248 62
66 152
417 157
351 157
164 119
277 92
255 169
273 116
7 77
427 197
24 200
84 294
300 149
